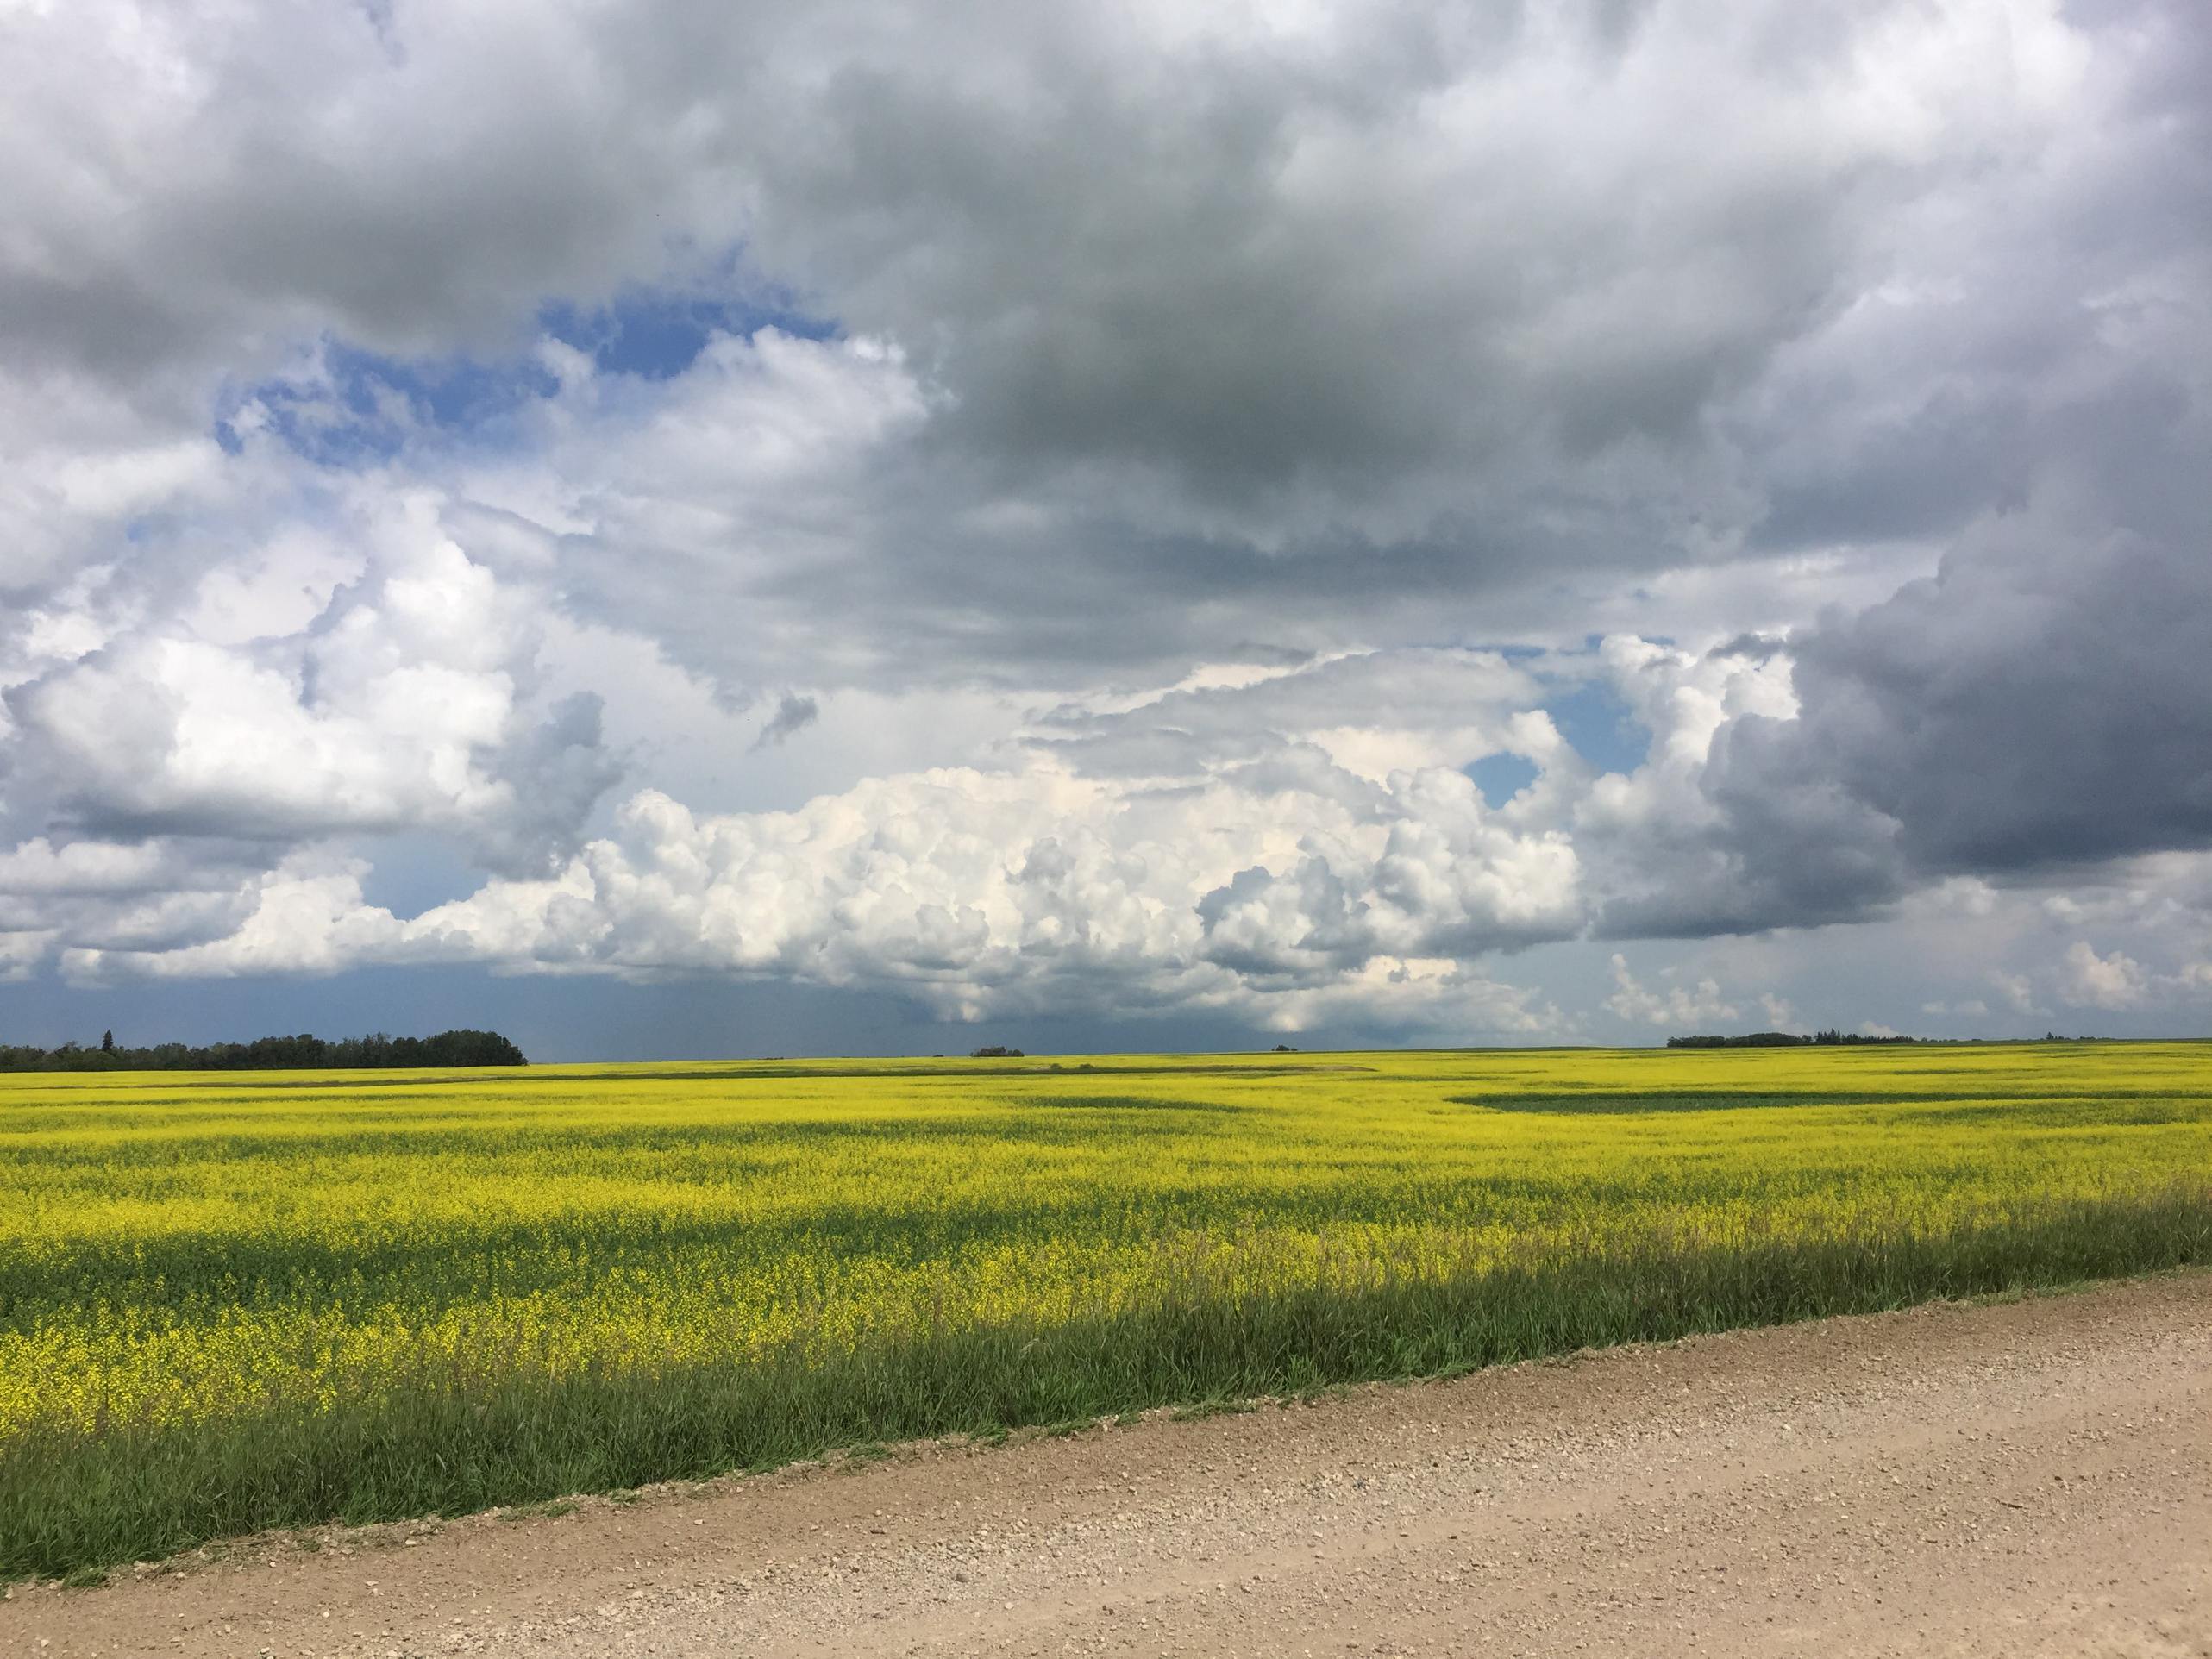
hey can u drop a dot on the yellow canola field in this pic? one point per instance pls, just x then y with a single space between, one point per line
198 1248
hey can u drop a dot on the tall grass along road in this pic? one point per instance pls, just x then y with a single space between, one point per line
2031 1481
236 1302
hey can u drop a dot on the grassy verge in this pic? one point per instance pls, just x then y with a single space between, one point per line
78 1502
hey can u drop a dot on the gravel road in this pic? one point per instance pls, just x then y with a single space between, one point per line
2034 1478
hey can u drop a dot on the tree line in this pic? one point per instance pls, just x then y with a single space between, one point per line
301 1053
1779 1040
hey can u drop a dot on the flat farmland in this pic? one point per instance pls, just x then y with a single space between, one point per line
230 1302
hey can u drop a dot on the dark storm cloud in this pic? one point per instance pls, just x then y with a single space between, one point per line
2025 709
2041 705
2041 708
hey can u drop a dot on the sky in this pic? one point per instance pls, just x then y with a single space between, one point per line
704 529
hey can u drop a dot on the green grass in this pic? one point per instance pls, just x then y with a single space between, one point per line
226 1307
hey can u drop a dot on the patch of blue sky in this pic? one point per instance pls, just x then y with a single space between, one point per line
364 407
657 334
1501 777
1590 715
1599 727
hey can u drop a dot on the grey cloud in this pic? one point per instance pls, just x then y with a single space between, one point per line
2040 707
148 895
1311 258
170 921
1433 693
793 714
1347 318
280 174
555 771
1793 849
1275 930
2025 709
1168 338
1376 350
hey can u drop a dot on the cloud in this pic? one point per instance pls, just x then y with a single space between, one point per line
1372 309
2044 700
1283 891
1683 852
1246 844
404 704
149 896
2090 980
2116 981
975 891
2018 990
793 714
1971 1008
1677 1005
1206 512
305 917
1274 858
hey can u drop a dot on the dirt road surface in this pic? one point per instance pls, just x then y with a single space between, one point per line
2028 1478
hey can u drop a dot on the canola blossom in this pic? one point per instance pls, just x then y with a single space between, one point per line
245 1300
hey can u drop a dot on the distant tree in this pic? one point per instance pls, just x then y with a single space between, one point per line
300 1053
